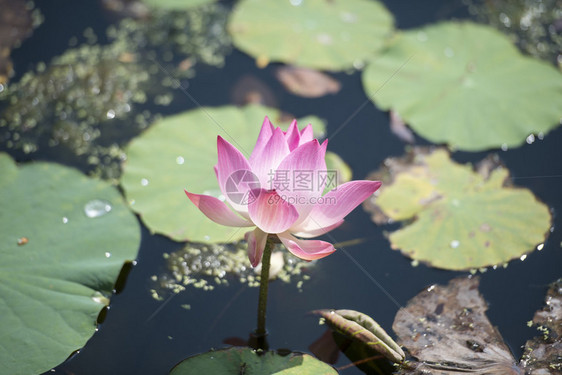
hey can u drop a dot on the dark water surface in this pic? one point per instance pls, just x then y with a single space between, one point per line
143 336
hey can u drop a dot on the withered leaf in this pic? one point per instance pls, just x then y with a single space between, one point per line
363 328
543 354
446 329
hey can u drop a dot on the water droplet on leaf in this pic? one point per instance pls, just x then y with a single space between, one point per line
97 208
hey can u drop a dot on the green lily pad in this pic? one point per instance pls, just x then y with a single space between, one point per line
330 35
465 85
179 152
246 361
63 240
176 4
457 218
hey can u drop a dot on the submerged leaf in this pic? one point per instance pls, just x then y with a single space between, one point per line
456 218
308 83
319 34
465 85
446 329
249 362
360 327
63 240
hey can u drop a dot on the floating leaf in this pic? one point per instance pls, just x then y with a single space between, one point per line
360 327
308 83
543 354
457 218
176 4
447 330
63 239
179 153
247 361
319 34
465 85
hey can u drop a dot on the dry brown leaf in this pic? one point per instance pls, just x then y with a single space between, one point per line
446 329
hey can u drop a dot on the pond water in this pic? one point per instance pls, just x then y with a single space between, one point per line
141 335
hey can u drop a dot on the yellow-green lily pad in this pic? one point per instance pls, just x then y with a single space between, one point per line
465 85
63 239
457 218
179 152
319 34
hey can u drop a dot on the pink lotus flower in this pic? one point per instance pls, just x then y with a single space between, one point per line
268 192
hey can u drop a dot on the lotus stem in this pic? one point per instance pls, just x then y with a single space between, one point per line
264 284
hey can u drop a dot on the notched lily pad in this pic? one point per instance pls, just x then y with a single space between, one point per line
467 86
247 361
362 328
318 34
456 218
446 329
63 240
179 152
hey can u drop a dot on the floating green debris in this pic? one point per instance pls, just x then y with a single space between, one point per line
176 40
90 101
467 85
206 266
169 158
58 262
456 218
319 34
247 361
73 104
535 26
